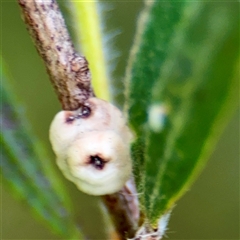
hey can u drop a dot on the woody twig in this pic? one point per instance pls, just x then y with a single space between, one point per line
68 71
71 78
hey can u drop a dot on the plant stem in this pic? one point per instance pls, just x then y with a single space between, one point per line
124 210
68 71
71 78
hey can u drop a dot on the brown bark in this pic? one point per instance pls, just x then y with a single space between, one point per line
69 72
71 78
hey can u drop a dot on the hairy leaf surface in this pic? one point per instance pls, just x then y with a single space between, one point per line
179 101
155 29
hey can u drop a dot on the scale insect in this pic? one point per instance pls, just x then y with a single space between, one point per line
92 146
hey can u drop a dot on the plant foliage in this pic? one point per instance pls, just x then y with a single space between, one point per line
27 170
181 87
182 81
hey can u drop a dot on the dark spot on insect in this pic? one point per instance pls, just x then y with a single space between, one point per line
70 119
85 112
97 162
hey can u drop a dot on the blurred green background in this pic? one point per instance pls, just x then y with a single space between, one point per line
209 210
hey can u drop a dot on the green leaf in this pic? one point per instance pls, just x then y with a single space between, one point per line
192 99
151 46
89 38
26 168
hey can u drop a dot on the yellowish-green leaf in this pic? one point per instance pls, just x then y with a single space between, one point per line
88 28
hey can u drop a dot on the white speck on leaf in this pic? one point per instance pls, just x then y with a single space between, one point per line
156 117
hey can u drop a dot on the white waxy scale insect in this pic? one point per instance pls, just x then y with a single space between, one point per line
92 146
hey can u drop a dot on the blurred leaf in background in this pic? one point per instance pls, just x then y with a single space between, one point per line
26 168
